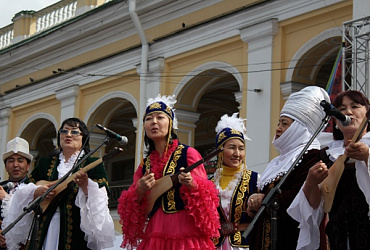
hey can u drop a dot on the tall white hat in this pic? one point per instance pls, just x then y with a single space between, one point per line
17 146
304 106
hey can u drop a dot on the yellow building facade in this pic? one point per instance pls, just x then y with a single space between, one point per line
103 61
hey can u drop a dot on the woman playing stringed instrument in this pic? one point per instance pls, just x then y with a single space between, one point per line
186 215
299 119
79 218
348 226
233 181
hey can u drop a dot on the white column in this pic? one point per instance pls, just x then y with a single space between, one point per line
153 78
150 86
4 121
67 97
95 140
260 47
239 99
136 122
186 123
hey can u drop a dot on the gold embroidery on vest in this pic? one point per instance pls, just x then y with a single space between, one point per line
171 199
147 164
240 196
52 165
172 165
170 169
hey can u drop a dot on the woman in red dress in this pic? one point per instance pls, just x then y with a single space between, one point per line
185 216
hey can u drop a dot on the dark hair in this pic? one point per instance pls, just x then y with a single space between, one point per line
150 144
355 96
75 122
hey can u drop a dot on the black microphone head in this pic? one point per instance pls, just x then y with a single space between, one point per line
325 105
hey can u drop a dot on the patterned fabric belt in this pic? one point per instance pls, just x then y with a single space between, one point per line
228 228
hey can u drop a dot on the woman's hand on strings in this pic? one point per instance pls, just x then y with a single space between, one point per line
41 190
358 151
146 182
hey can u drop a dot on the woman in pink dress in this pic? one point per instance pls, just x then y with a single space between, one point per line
185 216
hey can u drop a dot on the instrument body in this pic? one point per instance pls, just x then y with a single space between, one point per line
165 183
61 187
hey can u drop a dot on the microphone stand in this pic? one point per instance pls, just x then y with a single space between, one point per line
35 204
270 200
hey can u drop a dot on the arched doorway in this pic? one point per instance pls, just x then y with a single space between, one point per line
118 115
211 94
41 136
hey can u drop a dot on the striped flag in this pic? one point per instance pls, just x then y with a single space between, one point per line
334 85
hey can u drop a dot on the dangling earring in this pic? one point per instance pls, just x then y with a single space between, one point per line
336 126
220 159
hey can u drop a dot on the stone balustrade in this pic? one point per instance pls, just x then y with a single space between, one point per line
28 23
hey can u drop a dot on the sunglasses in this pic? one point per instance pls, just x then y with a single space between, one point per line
73 132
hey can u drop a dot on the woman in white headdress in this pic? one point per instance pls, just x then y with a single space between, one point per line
233 181
299 119
185 216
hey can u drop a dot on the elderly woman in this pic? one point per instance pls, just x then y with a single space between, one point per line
233 181
299 119
348 226
78 218
185 216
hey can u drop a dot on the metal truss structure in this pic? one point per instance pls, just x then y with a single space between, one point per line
355 55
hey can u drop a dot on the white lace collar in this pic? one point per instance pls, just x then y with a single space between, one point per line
64 166
232 184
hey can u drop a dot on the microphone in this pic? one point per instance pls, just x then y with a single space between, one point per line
332 111
121 139
8 186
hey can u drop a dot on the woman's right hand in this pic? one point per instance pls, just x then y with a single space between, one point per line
316 174
145 183
311 189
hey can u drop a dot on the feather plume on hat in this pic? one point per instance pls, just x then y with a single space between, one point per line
169 100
